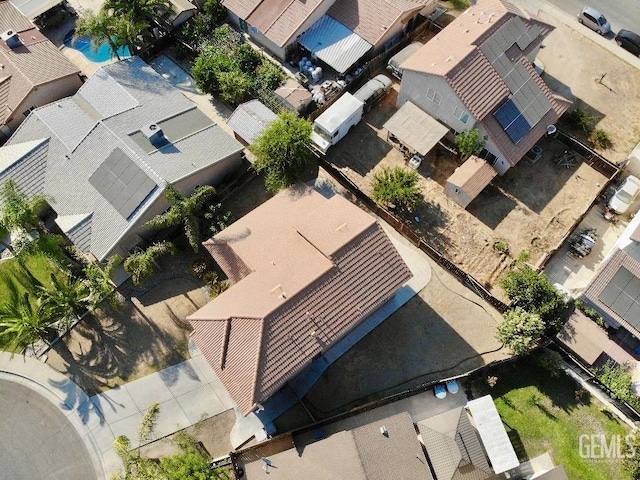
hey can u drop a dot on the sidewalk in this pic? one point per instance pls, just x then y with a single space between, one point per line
187 393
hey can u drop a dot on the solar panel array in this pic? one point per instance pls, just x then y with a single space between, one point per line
122 183
528 103
622 295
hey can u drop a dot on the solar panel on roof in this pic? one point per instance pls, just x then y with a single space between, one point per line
512 121
622 295
122 183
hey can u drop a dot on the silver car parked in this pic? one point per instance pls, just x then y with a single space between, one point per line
593 19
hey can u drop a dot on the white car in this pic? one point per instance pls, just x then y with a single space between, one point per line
625 195
593 19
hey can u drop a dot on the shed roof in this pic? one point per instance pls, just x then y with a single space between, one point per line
294 94
415 128
472 176
12 19
334 44
310 269
250 119
32 8
581 335
493 434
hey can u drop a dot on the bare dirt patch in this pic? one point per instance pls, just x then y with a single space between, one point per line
531 208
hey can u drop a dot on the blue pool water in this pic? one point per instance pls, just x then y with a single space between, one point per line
102 54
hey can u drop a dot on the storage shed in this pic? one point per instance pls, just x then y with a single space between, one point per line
249 120
469 180
294 96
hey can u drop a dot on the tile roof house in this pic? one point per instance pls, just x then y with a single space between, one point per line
478 73
33 72
306 271
106 153
387 449
276 25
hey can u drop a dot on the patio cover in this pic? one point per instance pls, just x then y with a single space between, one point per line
32 8
494 437
415 129
334 44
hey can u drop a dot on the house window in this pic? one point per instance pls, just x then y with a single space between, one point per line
461 115
434 96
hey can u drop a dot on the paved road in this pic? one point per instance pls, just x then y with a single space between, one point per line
620 13
36 439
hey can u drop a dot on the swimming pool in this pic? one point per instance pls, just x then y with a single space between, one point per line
102 54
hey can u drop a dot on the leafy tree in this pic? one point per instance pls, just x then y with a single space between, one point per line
234 86
100 28
141 263
270 75
283 151
215 11
520 330
208 67
66 298
247 58
98 279
139 11
469 143
127 31
397 188
23 323
533 292
18 211
185 211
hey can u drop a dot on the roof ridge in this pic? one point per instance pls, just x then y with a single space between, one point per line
254 391
302 22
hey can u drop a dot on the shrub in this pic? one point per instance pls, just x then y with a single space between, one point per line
469 143
523 257
207 68
501 246
600 138
592 313
247 58
397 188
580 117
618 379
520 331
551 361
270 75
234 86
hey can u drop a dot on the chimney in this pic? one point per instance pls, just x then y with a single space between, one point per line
11 38
154 134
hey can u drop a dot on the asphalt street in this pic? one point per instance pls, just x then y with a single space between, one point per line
622 14
37 442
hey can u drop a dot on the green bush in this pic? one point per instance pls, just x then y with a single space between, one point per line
270 75
247 58
592 313
580 117
469 143
397 188
501 246
618 379
600 138
520 331
551 361
234 86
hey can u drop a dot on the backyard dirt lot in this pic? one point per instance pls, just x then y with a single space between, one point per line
531 208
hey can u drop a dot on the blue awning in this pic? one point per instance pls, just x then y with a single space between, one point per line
334 44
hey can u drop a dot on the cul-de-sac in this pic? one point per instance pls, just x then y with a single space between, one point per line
319 240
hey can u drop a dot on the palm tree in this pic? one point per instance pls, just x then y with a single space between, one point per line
138 10
23 323
99 282
141 263
18 211
65 298
100 28
184 210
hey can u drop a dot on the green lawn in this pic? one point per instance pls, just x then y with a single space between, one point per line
545 414
15 279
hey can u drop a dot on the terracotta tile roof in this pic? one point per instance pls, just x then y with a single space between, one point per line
370 19
472 176
310 270
242 8
12 19
5 89
280 20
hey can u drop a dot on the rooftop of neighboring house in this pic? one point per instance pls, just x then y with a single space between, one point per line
483 57
370 19
306 270
28 60
384 450
105 153
278 20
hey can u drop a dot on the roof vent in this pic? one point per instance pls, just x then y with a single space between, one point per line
154 134
384 431
11 38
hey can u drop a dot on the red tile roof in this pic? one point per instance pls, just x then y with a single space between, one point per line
317 268
371 19
280 20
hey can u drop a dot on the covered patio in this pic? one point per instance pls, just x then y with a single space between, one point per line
414 131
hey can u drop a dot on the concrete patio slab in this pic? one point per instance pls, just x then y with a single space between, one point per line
149 390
